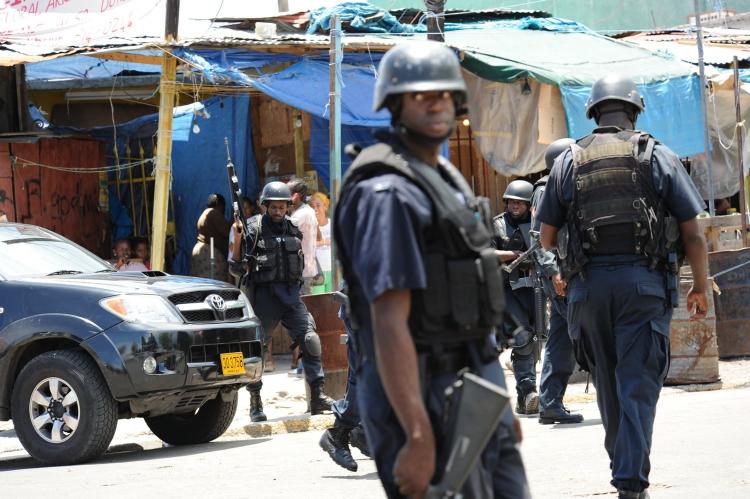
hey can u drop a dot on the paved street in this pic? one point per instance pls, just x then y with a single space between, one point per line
700 450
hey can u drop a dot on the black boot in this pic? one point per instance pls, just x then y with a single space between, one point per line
527 402
335 441
559 415
358 440
256 407
319 401
630 494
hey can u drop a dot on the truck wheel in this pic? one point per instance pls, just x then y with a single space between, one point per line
210 422
62 410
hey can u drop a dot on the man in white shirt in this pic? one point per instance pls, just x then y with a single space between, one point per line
304 216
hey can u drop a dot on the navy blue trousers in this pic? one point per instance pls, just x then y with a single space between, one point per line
620 314
296 319
346 410
500 472
520 304
559 361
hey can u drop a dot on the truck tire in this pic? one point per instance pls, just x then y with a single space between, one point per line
62 410
210 422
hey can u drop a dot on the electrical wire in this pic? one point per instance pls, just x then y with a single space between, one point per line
18 161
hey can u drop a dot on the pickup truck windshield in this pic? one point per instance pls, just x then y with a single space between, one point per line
41 256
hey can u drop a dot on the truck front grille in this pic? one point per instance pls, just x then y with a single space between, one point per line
210 352
200 306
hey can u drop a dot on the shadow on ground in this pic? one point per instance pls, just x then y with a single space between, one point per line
125 453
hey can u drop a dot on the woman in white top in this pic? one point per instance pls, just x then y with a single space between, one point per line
320 203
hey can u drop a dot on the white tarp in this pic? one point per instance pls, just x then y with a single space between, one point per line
722 119
52 24
513 123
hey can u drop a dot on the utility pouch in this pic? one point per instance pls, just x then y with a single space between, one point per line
493 299
435 298
464 292
294 258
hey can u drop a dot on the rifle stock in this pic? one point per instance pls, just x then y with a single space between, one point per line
479 408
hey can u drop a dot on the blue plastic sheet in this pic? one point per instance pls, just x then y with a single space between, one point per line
673 113
319 151
305 85
199 167
198 163
83 67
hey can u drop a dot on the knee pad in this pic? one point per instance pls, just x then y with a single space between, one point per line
311 344
523 341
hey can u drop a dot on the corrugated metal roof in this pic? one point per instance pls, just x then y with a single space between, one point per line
720 45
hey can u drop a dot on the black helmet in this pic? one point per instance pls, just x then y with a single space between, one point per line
275 191
555 149
614 87
419 67
519 189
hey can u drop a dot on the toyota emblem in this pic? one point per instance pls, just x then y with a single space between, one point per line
216 302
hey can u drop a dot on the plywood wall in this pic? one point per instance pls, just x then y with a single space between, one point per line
65 202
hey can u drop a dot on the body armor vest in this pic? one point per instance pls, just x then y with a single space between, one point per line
464 295
276 256
513 236
616 209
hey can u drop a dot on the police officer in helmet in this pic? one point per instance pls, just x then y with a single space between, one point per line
513 238
621 210
559 360
409 234
274 276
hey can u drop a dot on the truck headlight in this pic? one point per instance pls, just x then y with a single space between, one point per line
143 309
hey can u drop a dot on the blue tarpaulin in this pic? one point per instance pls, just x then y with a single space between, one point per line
319 151
305 85
198 161
673 114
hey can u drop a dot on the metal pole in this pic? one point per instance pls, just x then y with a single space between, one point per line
740 134
706 142
163 169
334 137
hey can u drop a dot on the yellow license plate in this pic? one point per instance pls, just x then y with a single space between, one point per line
232 364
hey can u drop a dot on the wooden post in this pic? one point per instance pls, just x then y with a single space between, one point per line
706 141
334 131
435 20
299 144
163 170
740 137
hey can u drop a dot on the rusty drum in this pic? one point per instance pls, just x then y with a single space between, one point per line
325 311
733 304
694 355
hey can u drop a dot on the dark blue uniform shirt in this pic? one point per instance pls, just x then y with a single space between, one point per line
389 214
671 181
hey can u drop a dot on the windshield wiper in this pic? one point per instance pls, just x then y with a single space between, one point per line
63 272
104 270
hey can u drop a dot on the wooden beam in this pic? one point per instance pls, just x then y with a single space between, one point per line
128 57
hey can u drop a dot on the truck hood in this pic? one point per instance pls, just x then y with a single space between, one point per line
131 283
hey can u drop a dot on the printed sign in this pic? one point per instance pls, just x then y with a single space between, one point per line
62 23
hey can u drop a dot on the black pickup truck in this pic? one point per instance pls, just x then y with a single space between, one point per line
82 346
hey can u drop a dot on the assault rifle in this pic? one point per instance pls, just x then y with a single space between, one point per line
475 407
234 189
542 285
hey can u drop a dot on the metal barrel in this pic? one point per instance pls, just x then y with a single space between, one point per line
325 310
733 305
694 355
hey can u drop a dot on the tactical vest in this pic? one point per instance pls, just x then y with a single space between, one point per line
514 238
463 299
616 209
275 257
